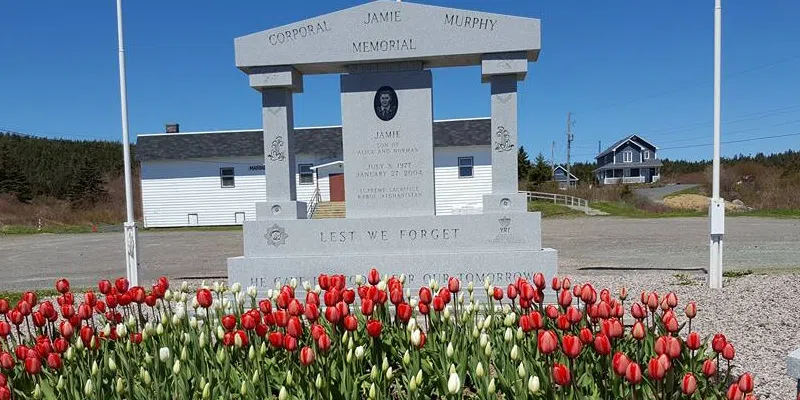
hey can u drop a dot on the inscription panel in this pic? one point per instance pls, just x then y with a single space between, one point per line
387 134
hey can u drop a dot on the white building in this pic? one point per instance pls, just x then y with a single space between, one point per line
215 178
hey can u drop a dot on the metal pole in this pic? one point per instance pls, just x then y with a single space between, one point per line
131 251
569 143
717 205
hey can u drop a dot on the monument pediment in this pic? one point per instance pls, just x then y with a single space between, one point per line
387 31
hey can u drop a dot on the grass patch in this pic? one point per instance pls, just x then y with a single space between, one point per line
691 190
780 213
31 230
737 273
623 209
684 280
196 228
14 297
552 210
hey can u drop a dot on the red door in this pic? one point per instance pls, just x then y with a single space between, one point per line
337 186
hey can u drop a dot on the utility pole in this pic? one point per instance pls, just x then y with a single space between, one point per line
599 146
716 208
570 136
131 250
553 154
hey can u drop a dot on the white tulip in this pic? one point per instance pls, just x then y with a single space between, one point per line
470 286
202 341
449 351
252 292
487 323
306 286
510 319
487 351
180 311
359 280
389 373
176 320
484 340
107 330
236 288
372 391
240 298
176 367
533 384
218 287
282 395
515 353
184 286
453 383
519 334
373 373
491 387
446 313
160 329
182 298
293 283
412 385
479 370
95 368
88 388
122 330
193 323
415 337
508 335
382 286
168 295
521 371
164 354
359 352
418 377
207 391
112 365
402 280
318 382
406 358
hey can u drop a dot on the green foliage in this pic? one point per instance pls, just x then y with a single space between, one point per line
552 210
540 172
52 167
789 159
523 164
87 187
625 209
32 230
738 273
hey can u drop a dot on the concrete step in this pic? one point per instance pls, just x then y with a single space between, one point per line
330 209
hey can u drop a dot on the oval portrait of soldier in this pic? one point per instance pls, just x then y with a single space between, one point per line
385 103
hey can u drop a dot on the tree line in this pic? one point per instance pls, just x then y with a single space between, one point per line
76 171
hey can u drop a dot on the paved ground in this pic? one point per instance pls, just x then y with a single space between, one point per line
658 193
36 261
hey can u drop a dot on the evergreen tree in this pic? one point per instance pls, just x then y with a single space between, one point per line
540 172
87 187
12 178
523 164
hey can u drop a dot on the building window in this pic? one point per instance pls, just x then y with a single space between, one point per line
465 167
226 177
634 172
306 174
647 154
627 156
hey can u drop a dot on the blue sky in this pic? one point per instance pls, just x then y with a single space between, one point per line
620 66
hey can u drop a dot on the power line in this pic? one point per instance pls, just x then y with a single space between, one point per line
733 141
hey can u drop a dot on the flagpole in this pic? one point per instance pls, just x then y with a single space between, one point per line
717 205
131 251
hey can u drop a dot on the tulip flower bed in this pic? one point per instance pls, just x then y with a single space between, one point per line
372 341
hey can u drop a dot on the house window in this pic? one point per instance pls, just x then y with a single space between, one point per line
465 167
634 171
226 177
627 156
306 174
647 154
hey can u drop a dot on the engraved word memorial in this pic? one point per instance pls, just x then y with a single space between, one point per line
384 52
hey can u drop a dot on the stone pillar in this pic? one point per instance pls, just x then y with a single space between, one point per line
277 85
502 71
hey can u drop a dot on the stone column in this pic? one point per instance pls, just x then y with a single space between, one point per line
277 85
502 71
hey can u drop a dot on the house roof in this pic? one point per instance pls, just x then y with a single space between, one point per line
645 164
634 138
571 175
325 141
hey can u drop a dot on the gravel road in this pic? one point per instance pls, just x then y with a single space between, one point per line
658 193
36 261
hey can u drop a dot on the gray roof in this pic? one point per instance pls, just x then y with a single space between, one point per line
645 164
326 141
616 144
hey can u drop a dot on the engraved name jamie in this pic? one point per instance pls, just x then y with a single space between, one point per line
385 16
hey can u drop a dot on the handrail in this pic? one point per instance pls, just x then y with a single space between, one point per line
313 203
558 198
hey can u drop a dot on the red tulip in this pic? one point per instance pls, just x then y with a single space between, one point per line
728 352
4 307
294 328
693 341
563 323
311 312
623 293
555 284
564 298
373 277
307 356
242 336
5 329
86 333
672 299
603 310
734 393
374 328
317 330
709 368
655 369
633 374
638 312
121 285
453 285
688 384
602 345
571 345
16 317
3 380
24 308
565 284
84 311
620 363
265 306
229 322
551 311
652 301
746 383
538 280
324 342
691 310
425 295
90 298
62 286
32 365
511 292
261 330
445 295
671 324
548 342
404 312
332 315
104 287
573 315
294 308
526 291
276 339
136 338
281 318
54 361
660 345
38 319
438 303
638 331
30 298
289 343
66 329
124 299
367 306
612 328
396 296
6 360
5 393
561 375
248 321
60 345
331 297
718 342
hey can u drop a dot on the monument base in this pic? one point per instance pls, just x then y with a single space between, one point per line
502 267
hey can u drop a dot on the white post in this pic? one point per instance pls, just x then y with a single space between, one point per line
717 205
131 251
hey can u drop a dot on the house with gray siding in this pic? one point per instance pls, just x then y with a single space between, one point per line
630 160
560 176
